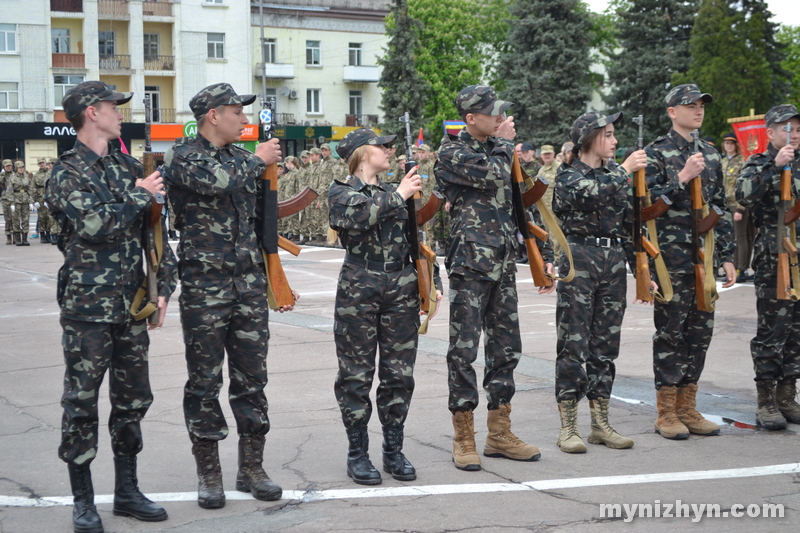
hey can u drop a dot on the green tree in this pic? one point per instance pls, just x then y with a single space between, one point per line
789 36
403 88
653 38
546 67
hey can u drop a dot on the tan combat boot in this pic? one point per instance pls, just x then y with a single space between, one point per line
785 394
465 456
602 432
569 440
768 415
667 424
685 407
501 442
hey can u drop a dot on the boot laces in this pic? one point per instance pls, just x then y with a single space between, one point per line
466 435
572 420
602 417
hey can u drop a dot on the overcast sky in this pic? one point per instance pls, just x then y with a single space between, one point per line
785 11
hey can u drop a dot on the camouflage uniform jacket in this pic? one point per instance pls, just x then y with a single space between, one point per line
666 157
20 188
731 166
531 167
425 172
4 184
476 180
549 173
595 202
102 215
39 180
213 191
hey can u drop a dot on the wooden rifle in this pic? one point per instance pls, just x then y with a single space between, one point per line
528 230
788 275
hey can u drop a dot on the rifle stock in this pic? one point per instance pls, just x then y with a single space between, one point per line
279 293
643 292
297 203
535 193
535 260
430 208
153 229
652 212
784 282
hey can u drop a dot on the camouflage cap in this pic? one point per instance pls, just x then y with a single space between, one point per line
7 162
289 159
686 94
324 146
424 147
216 95
305 153
41 160
587 122
314 150
402 157
781 113
548 149
480 99
88 94
53 160
18 164
360 137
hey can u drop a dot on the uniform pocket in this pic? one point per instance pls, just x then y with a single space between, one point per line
480 251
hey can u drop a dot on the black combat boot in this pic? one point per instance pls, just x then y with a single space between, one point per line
84 514
210 494
53 238
128 499
44 237
394 462
359 467
251 476
23 240
9 239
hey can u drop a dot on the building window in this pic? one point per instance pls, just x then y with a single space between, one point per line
354 54
60 39
314 101
270 51
9 96
63 83
313 53
107 43
356 103
151 46
216 45
8 37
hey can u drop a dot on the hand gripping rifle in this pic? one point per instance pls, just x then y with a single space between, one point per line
788 271
703 222
645 213
421 254
153 236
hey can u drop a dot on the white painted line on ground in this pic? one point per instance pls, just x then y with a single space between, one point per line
440 490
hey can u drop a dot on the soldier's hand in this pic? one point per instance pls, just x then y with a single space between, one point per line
730 273
548 269
285 308
653 289
411 183
438 297
694 166
506 129
154 183
785 155
636 161
162 313
270 151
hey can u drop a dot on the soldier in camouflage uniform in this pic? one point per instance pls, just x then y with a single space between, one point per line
776 347
5 192
296 223
102 201
683 333
595 206
732 162
322 182
55 229
425 161
377 304
223 302
528 160
287 185
43 214
473 169
20 185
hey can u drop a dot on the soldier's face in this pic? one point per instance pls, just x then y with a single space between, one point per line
777 137
729 147
42 164
422 155
304 159
528 155
688 117
378 157
548 158
518 149
315 158
107 118
484 125
324 152
8 168
605 144
230 122
21 170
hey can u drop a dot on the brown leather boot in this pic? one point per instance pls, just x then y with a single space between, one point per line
465 455
785 394
667 424
685 407
602 432
252 477
210 494
501 442
768 415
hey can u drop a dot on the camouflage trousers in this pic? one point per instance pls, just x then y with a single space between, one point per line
490 306
20 218
45 219
683 334
776 347
212 327
589 322
89 350
375 311
7 216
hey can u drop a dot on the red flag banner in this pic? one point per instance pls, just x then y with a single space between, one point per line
751 133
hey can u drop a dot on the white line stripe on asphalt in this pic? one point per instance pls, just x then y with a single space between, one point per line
440 490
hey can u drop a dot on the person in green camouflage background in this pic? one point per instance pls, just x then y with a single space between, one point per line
323 178
102 201
776 347
20 189
377 304
595 207
43 213
683 333
223 303
8 170
55 229
473 169
732 162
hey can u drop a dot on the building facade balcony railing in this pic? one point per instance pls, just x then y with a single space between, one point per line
163 115
361 73
69 61
113 9
68 6
115 62
360 120
126 113
285 119
283 71
159 62
155 8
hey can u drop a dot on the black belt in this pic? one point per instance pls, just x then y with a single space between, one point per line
602 242
394 266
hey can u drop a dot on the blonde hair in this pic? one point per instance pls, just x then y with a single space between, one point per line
356 158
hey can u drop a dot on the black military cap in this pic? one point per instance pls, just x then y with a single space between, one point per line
781 113
686 94
88 94
216 95
480 99
730 136
360 137
587 122
526 147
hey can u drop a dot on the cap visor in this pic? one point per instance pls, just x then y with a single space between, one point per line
119 98
386 139
246 99
613 118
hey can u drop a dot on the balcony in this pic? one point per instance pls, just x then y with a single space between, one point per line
67 6
115 62
69 61
154 8
284 71
126 113
113 10
163 115
159 62
360 120
361 73
285 119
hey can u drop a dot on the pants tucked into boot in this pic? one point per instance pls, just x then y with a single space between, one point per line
785 394
359 467
210 494
602 432
501 441
569 439
685 407
768 415
128 500
251 476
668 425
84 514
465 456
394 462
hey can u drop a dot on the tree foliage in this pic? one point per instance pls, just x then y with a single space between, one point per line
789 36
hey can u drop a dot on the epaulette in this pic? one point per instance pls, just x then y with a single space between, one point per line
346 181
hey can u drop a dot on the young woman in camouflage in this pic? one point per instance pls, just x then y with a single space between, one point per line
377 303
594 205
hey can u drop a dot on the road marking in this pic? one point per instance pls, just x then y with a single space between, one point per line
440 490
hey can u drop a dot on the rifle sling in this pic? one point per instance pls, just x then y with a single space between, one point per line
794 268
665 293
141 294
554 229
432 303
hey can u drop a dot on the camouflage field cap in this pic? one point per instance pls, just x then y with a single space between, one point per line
587 122
781 113
314 150
52 160
480 99
547 149
88 94
216 95
19 164
7 162
325 146
290 159
360 137
305 153
41 160
730 136
424 147
686 94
